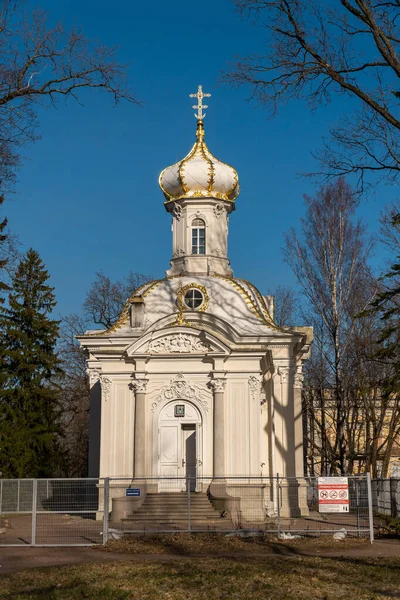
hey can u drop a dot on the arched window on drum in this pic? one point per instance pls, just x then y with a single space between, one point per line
198 236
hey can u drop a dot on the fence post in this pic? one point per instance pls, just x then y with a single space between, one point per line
34 510
357 488
1 496
18 494
188 491
370 513
278 504
106 500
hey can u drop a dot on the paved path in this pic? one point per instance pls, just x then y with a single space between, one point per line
16 559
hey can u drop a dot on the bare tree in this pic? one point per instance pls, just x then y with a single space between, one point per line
316 50
103 305
74 397
330 264
286 306
106 299
40 65
386 307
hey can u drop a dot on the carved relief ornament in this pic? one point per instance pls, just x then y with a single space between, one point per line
255 386
106 384
219 210
94 376
178 252
180 389
176 211
178 343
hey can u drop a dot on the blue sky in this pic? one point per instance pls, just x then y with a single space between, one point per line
88 197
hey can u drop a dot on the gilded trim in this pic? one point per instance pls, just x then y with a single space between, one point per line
248 300
192 286
200 148
262 303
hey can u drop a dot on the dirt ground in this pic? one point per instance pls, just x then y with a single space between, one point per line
15 559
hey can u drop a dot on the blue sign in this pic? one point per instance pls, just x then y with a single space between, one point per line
133 492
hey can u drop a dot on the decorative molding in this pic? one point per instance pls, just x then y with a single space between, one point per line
284 372
94 376
219 210
180 389
176 211
217 385
298 378
106 384
178 343
272 346
139 385
255 386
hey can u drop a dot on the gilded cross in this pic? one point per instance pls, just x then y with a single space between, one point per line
200 106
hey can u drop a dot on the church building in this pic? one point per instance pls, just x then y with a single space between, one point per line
195 382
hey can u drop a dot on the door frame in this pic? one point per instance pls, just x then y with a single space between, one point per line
191 427
200 432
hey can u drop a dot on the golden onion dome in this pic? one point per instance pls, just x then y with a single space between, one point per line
200 175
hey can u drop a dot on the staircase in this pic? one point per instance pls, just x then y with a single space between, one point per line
165 511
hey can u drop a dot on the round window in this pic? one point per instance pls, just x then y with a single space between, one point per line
193 298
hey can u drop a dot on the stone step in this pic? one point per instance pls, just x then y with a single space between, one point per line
173 513
182 522
173 508
177 504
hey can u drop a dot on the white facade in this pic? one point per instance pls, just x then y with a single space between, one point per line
195 378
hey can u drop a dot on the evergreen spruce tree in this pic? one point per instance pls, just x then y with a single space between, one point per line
3 286
29 368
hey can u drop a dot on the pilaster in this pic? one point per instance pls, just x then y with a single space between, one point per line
218 386
140 387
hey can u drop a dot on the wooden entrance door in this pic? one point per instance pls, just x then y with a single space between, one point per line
179 446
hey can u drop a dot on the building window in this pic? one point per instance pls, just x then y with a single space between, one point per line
198 236
193 298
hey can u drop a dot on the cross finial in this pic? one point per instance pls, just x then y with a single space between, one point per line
200 106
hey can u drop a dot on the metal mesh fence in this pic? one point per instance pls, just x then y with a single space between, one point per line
50 512
386 497
90 511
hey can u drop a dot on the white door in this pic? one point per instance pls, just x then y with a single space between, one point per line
171 458
179 447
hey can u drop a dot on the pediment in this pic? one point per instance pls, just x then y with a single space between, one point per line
177 340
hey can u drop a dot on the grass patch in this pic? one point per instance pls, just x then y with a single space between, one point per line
255 578
185 544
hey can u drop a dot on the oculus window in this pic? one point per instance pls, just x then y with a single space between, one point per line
198 236
193 299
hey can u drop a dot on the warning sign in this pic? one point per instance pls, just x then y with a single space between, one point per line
333 494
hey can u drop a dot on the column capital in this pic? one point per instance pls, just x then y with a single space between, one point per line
140 385
217 385
285 373
298 378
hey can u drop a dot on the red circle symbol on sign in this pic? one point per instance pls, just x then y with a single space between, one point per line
323 494
333 494
343 494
